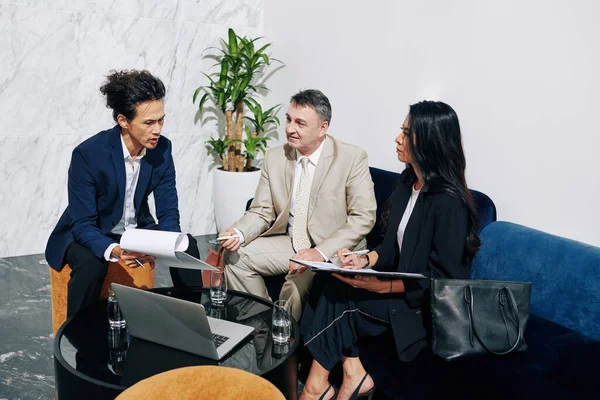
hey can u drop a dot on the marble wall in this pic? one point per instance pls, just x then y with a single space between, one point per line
54 57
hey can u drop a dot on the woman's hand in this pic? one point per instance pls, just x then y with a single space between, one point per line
351 261
369 283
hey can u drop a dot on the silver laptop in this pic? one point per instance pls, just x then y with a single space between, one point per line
177 323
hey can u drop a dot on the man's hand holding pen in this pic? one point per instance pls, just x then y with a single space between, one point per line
131 259
229 240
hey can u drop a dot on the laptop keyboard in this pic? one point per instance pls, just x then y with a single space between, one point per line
219 339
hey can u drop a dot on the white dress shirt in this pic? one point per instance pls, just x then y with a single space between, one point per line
313 160
132 174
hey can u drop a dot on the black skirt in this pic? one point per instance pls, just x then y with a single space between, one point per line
337 316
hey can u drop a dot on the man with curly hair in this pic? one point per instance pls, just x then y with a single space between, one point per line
110 178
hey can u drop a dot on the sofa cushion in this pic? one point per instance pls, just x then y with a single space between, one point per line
565 274
556 365
577 369
384 183
486 209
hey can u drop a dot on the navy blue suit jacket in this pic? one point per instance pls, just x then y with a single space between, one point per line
97 192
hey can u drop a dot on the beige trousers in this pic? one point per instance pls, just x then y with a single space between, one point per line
268 256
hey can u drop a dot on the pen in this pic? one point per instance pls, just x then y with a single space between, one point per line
139 263
227 237
358 253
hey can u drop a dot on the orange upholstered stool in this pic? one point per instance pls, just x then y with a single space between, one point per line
117 272
203 382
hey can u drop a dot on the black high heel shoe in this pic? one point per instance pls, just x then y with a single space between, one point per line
327 391
368 395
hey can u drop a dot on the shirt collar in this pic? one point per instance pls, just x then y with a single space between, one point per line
126 154
314 157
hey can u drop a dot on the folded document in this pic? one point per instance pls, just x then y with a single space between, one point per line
168 248
319 266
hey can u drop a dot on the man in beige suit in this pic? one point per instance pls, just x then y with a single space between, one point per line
315 196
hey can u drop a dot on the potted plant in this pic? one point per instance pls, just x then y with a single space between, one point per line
232 89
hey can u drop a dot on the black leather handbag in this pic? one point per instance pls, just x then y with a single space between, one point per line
472 317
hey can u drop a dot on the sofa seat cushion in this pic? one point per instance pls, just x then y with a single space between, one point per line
559 363
577 368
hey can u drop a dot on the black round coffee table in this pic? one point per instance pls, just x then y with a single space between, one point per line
94 361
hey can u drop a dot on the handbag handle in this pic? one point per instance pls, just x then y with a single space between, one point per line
505 300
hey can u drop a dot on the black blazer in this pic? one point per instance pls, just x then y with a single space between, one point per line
433 245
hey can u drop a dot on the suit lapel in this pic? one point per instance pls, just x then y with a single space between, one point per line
288 176
116 153
322 168
145 173
290 168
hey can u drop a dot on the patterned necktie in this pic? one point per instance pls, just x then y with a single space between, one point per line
300 234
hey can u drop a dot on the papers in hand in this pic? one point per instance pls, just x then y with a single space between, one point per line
319 266
168 248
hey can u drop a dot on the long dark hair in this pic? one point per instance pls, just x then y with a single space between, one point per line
436 147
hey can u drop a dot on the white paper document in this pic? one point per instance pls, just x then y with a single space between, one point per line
319 266
168 248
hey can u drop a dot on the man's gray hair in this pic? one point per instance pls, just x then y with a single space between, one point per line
314 99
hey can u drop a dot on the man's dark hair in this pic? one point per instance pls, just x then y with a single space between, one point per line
314 99
125 89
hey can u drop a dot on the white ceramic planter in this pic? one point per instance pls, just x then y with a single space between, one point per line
232 190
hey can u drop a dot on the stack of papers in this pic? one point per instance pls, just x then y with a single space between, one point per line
168 248
319 266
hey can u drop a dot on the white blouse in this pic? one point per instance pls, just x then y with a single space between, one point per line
406 216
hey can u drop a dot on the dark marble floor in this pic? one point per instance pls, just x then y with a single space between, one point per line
26 361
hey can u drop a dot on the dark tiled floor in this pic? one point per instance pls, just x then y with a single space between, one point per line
26 362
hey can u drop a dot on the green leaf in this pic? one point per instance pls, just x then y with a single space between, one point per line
196 93
262 49
249 104
209 78
202 100
223 75
270 110
245 82
265 58
233 48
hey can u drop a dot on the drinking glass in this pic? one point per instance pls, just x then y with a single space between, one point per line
218 287
280 350
118 344
115 317
216 311
281 321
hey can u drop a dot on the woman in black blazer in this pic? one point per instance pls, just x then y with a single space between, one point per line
431 227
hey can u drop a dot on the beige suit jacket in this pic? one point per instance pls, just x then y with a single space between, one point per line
342 204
